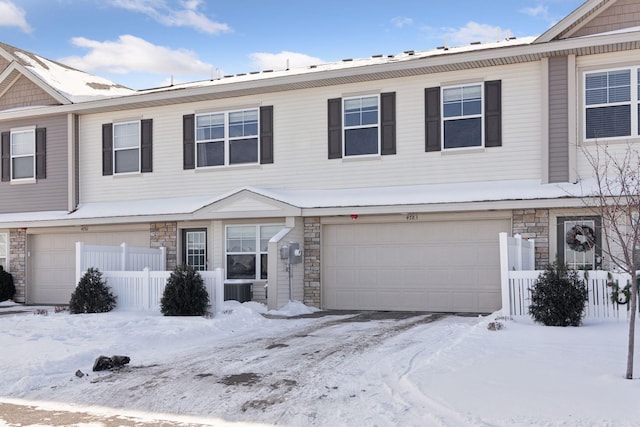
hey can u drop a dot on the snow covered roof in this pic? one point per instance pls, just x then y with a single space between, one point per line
434 195
74 85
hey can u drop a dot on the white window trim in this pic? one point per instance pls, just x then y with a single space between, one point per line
227 139
32 130
443 119
257 252
345 127
633 103
138 147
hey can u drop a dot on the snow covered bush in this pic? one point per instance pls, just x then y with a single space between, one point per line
558 297
185 293
92 295
7 289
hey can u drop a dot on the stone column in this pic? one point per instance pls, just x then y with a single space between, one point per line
312 263
534 224
17 260
165 234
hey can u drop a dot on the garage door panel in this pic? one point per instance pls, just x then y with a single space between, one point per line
432 266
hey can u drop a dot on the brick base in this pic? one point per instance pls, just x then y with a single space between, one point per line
534 224
312 261
17 257
165 235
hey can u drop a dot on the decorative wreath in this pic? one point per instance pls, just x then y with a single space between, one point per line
620 296
581 238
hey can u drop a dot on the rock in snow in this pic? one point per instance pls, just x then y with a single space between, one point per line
104 363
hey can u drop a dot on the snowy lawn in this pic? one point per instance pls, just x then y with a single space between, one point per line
327 371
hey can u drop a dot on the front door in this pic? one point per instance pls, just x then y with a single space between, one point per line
580 242
194 244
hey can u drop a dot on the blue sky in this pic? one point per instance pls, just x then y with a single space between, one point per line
142 43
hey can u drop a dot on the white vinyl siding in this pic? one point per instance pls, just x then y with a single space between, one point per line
300 143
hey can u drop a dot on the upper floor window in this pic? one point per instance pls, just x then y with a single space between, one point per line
362 125
361 131
611 101
23 154
462 116
127 147
227 138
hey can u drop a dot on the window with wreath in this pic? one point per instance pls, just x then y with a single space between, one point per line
247 250
611 103
579 242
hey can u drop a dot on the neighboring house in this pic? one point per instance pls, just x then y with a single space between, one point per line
395 174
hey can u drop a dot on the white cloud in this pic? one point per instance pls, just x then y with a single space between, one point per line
131 54
278 61
183 14
401 21
474 32
12 16
541 11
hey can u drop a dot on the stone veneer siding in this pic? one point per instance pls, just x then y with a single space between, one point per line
165 235
17 257
312 261
534 224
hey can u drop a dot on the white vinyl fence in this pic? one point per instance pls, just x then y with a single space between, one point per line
518 275
142 290
118 258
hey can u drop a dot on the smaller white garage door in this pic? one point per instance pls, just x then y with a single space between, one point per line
51 278
450 266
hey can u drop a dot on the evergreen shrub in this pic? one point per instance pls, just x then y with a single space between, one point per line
7 288
185 293
92 295
558 297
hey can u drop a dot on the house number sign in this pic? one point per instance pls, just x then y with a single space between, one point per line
412 217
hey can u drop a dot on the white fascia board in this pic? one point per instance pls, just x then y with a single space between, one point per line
567 21
38 82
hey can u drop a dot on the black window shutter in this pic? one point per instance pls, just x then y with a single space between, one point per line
146 145
188 142
266 134
41 153
432 118
388 114
493 113
6 156
335 128
107 149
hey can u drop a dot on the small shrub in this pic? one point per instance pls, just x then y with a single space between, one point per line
185 293
558 297
7 289
92 295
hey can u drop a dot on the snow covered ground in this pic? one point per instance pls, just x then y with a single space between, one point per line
241 368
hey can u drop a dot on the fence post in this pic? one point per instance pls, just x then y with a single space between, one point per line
124 255
79 259
218 286
532 254
504 274
518 263
163 259
146 284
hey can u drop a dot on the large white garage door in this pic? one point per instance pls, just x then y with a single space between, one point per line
51 278
448 266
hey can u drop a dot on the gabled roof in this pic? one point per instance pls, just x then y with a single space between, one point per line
65 84
578 17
